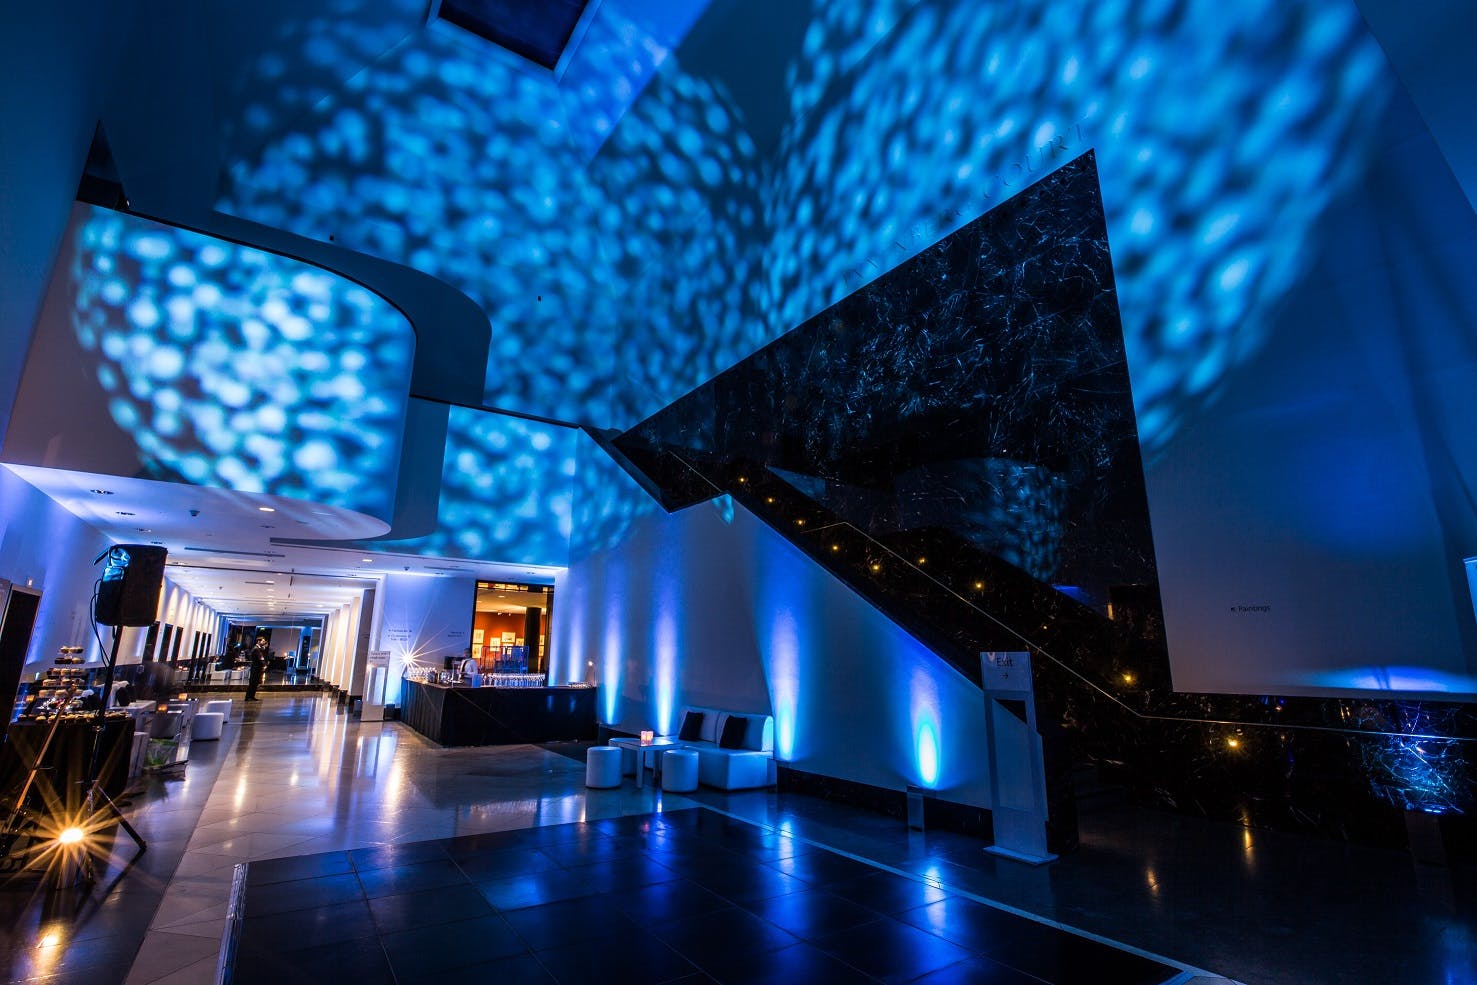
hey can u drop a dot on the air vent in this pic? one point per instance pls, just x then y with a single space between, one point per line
218 550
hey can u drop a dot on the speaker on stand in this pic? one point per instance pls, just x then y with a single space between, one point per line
127 595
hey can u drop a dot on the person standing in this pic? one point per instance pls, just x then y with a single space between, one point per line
258 668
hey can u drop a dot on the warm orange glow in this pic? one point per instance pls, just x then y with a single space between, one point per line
1127 678
1233 743
70 836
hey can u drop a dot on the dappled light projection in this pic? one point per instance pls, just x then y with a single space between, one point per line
313 47
1187 105
683 244
506 492
222 365
460 163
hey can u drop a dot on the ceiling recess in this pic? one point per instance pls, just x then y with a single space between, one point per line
537 30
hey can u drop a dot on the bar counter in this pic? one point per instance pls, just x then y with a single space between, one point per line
456 715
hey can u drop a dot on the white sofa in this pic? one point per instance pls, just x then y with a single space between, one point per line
751 765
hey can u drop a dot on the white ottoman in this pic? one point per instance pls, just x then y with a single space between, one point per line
603 767
207 726
679 770
224 707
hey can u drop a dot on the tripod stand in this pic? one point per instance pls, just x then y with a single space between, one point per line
92 783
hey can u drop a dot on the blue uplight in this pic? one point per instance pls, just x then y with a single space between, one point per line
784 678
923 708
665 642
928 754
611 652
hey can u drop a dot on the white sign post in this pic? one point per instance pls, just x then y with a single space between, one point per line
1017 765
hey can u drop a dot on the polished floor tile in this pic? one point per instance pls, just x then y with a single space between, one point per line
648 910
367 816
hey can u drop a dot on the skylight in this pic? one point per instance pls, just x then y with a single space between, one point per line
536 29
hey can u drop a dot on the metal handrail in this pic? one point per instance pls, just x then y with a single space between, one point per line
1072 671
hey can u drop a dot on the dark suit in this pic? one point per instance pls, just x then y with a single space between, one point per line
257 672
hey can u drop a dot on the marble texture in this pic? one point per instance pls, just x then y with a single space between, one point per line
956 442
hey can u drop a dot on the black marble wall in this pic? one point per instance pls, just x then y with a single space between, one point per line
956 441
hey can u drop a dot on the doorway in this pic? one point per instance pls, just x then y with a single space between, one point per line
510 628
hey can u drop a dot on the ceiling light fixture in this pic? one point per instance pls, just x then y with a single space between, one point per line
267 509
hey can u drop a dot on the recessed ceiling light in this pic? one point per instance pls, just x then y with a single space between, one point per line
267 509
369 560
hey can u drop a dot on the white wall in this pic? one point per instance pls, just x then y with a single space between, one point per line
422 619
58 58
710 607
46 548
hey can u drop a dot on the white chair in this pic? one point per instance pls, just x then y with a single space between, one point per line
208 725
603 767
221 706
679 770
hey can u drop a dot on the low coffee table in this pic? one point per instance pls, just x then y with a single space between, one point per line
648 756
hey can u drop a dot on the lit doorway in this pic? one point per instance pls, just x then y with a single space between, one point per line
510 628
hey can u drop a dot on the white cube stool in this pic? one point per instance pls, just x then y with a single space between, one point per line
207 726
222 706
603 767
679 770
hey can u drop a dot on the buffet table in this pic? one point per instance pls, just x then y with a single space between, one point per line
457 715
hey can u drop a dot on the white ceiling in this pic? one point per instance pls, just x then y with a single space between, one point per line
224 546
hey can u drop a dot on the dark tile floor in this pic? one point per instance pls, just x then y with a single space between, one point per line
1262 907
81 933
689 896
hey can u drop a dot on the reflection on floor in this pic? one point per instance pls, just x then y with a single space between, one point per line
689 896
298 777
303 777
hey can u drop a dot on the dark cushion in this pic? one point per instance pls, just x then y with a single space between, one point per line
734 731
754 740
692 726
